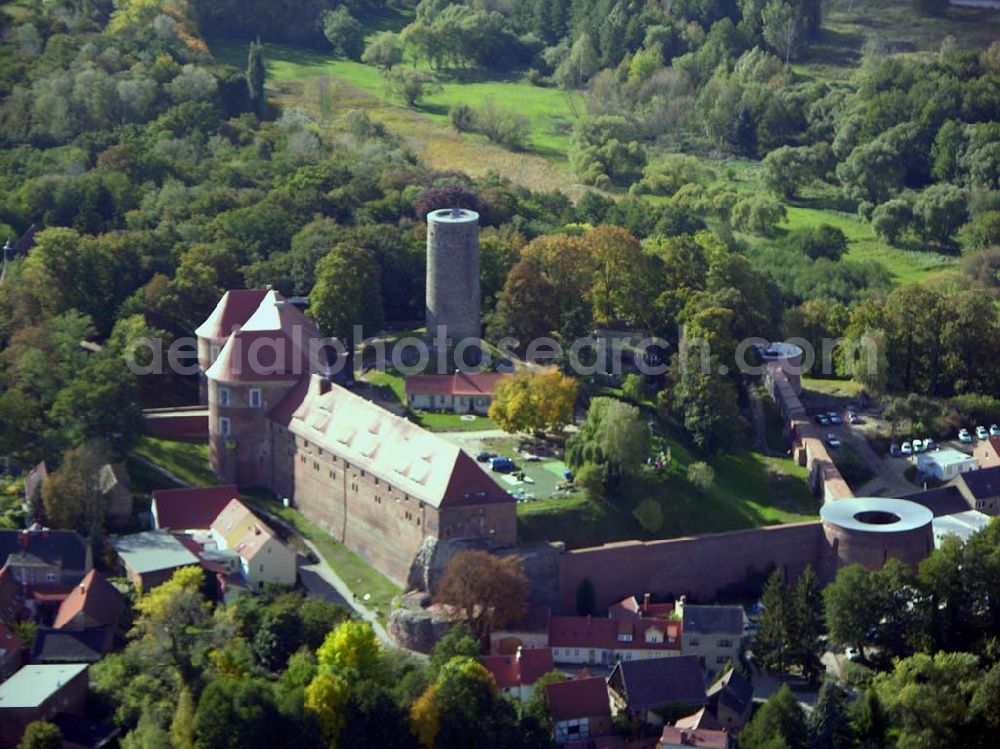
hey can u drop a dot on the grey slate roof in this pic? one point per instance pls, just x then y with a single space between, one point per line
65 548
945 500
152 551
713 620
70 645
658 682
982 483
733 691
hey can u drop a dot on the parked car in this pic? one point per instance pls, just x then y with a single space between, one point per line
929 444
501 464
981 433
832 441
834 417
906 448
822 420
994 430
855 419
964 436
894 450
485 457
853 654
918 446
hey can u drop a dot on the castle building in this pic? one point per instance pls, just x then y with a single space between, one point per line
390 491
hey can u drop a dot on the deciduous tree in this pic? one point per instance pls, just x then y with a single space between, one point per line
485 590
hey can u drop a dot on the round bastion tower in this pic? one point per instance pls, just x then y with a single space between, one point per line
453 299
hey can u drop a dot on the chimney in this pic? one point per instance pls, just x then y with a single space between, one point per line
679 607
645 602
25 538
518 655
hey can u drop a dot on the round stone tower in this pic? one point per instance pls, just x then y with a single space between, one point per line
453 273
869 530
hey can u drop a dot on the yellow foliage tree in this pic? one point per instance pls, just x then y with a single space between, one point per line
534 402
425 718
326 697
351 646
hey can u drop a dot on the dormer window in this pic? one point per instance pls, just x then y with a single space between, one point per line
624 637
224 397
255 398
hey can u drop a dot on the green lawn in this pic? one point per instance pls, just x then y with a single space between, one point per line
450 422
905 265
185 459
838 388
750 490
550 110
188 460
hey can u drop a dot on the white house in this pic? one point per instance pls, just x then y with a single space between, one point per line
263 556
946 463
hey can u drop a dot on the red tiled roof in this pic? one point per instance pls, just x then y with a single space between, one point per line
273 345
674 736
233 310
630 608
191 509
460 383
96 598
524 668
595 632
578 698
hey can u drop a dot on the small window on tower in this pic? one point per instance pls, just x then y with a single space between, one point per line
255 398
224 397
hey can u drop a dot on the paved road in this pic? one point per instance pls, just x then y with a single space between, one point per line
321 580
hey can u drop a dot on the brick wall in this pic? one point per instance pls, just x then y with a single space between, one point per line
696 566
369 515
177 424
249 462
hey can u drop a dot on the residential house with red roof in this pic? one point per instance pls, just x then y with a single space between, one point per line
461 392
605 641
190 509
516 674
93 603
378 483
580 709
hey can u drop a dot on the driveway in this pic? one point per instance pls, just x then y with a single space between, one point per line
321 581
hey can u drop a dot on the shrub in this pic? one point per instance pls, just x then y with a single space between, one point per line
758 214
463 118
702 476
821 241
